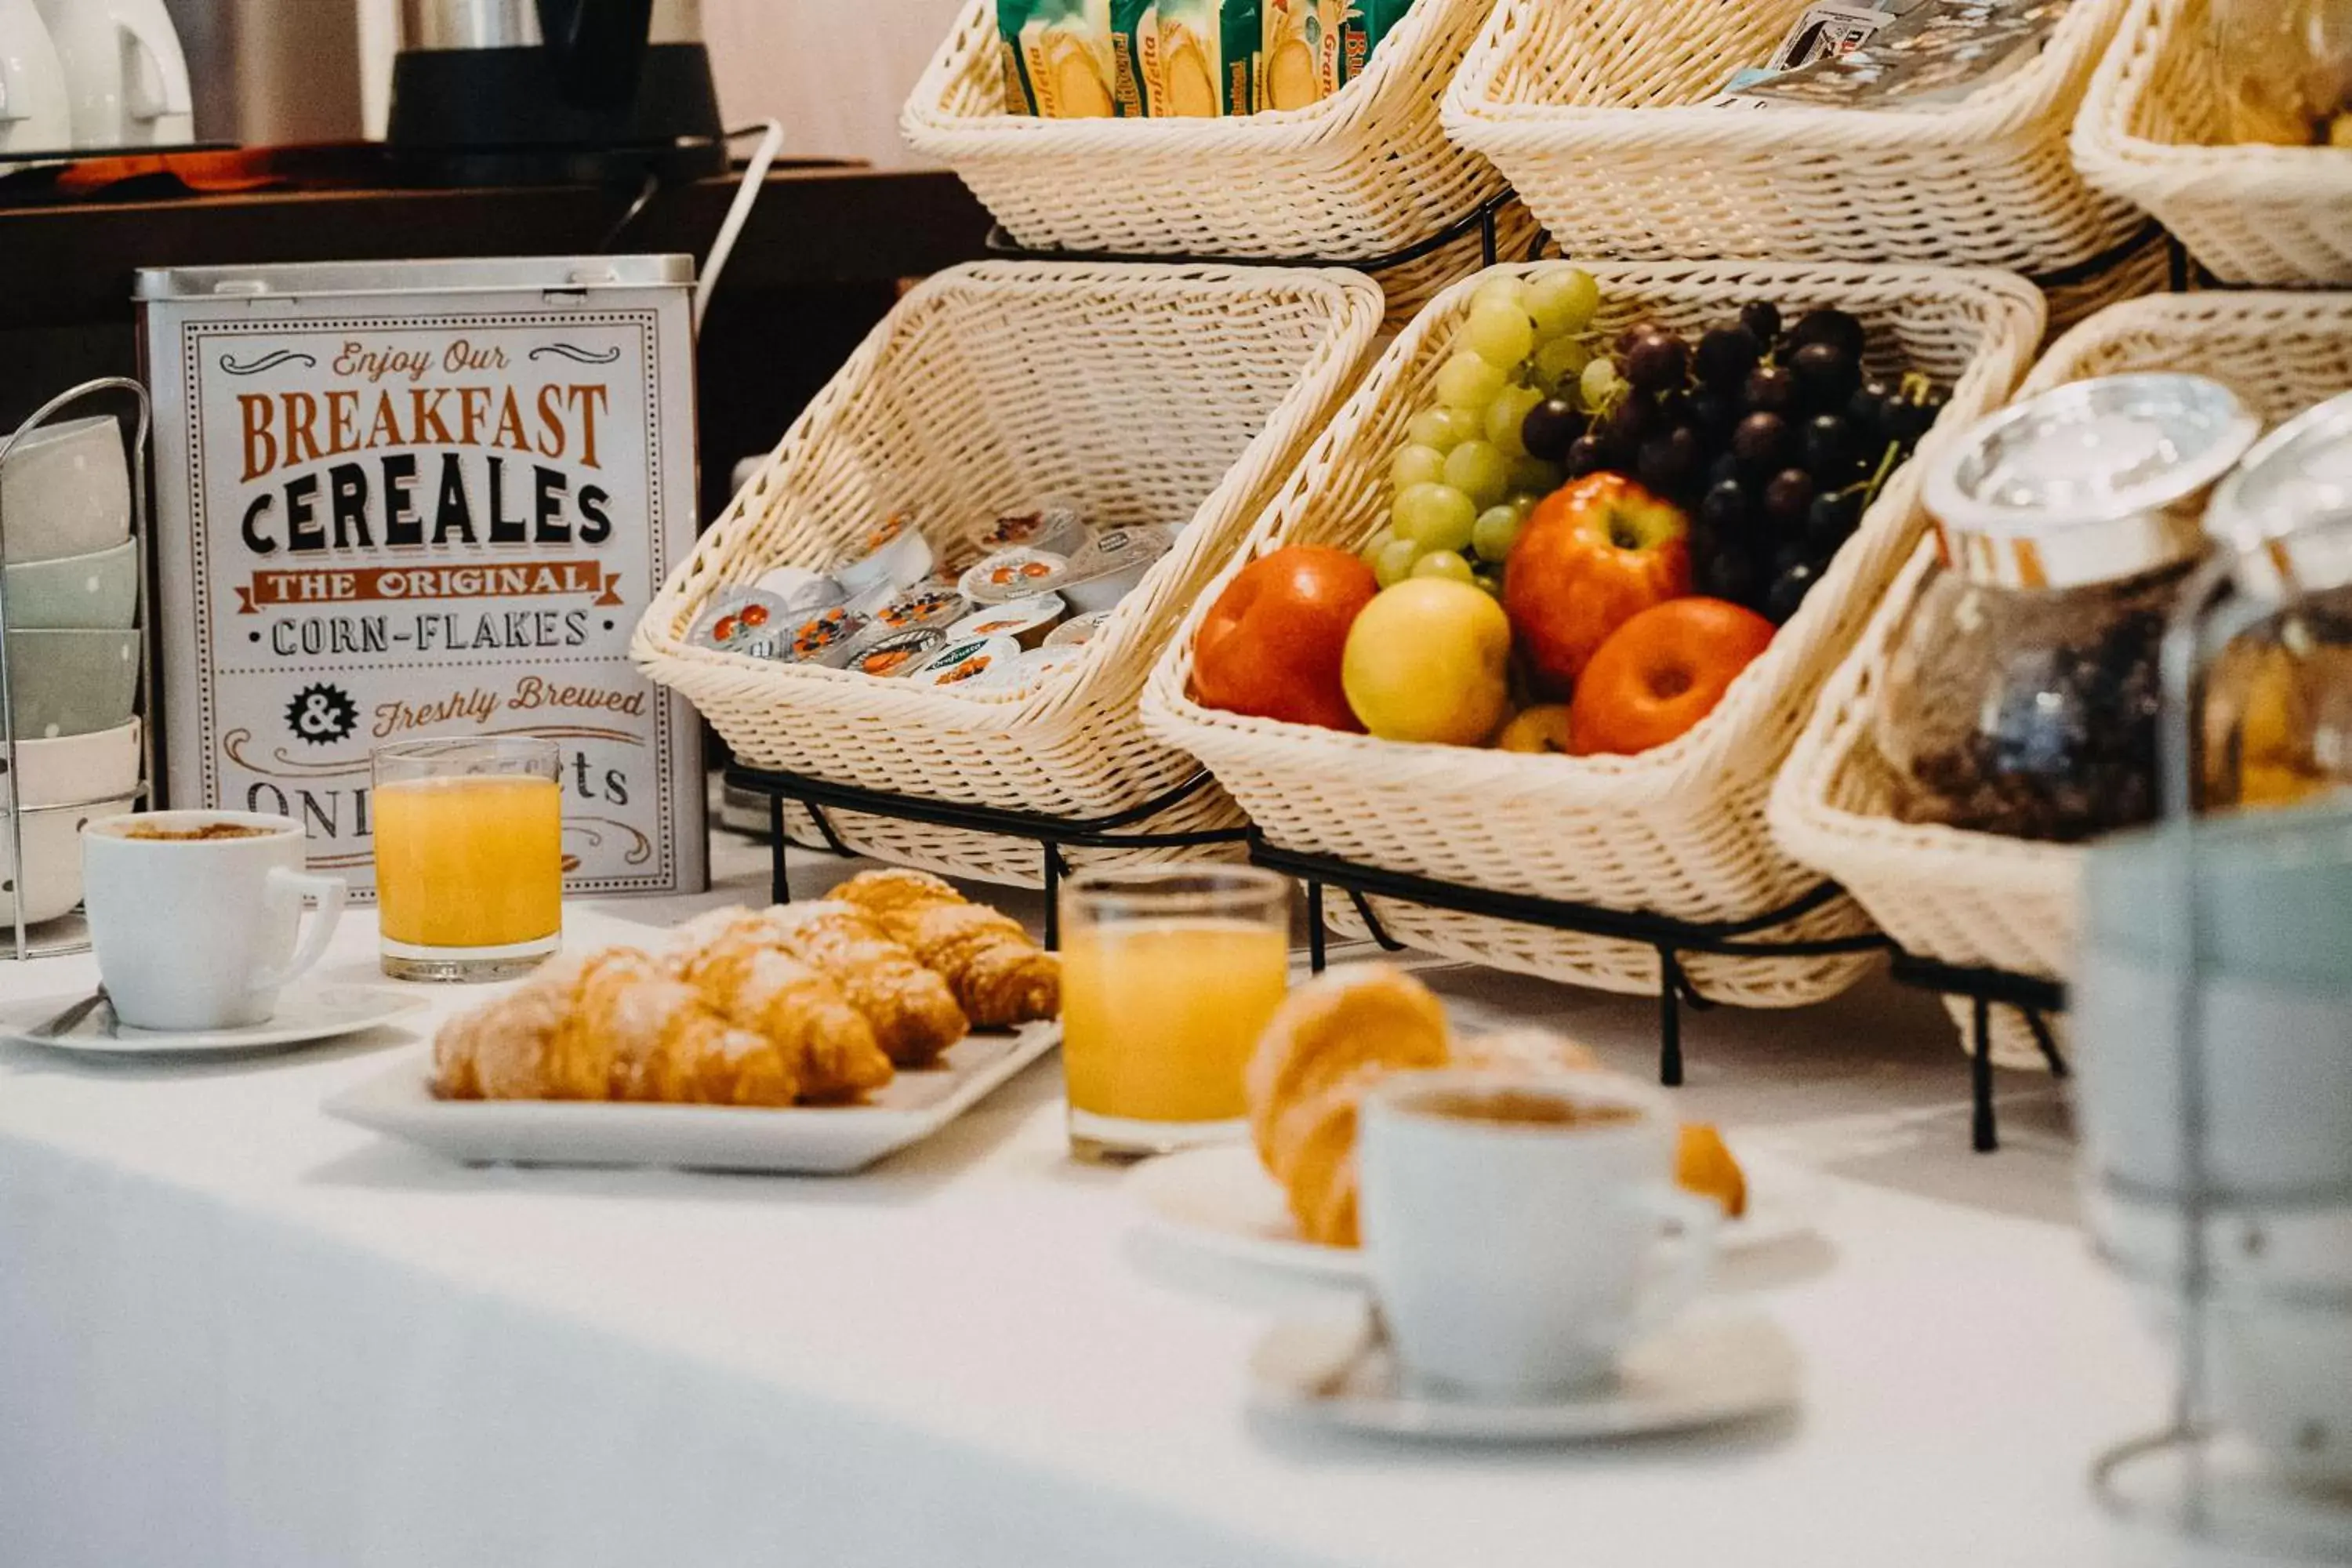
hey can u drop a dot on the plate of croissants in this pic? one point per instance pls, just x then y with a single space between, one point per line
810 1037
1287 1198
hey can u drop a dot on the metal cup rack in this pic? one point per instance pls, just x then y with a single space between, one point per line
70 934
2188 1476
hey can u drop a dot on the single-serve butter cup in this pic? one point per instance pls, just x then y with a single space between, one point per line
1014 573
1111 565
1078 630
801 589
1053 527
965 665
930 604
895 555
826 637
898 653
1026 621
1029 669
744 620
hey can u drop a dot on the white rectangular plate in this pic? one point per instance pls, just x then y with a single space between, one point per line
808 1140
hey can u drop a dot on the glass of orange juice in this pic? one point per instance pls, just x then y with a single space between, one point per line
469 856
1168 976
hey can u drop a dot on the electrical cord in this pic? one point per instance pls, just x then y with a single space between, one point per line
755 175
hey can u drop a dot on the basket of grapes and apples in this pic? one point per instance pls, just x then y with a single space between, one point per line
1543 610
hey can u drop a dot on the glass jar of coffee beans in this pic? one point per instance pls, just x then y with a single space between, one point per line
2023 696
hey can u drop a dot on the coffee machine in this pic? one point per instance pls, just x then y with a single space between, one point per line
545 91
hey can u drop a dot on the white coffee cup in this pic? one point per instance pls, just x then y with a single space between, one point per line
1514 1258
124 70
200 933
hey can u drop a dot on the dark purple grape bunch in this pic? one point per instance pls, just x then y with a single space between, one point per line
1774 437
1813 439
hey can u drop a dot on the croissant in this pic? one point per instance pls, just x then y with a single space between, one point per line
1000 977
609 1027
1330 1041
735 958
912 1012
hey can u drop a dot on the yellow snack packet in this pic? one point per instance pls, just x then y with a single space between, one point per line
1060 59
1312 48
1196 58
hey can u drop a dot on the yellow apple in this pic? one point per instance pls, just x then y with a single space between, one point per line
1541 730
1428 661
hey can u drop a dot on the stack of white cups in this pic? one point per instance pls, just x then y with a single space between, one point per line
87 74
2249 1126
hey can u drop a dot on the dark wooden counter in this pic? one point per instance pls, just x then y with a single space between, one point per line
818 264
816 223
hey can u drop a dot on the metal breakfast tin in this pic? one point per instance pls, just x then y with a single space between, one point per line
415 499
2094 481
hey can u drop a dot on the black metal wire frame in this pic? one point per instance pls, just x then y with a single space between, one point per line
1482 220
1671 938
2035 999
1052 835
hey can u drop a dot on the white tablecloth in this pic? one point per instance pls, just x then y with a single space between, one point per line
235 1333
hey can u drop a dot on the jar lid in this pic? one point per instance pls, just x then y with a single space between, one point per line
2091 483
2285 508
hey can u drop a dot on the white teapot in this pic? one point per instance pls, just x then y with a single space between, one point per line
124 72
33 113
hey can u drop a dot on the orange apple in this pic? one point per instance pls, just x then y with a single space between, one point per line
1272 644
1591 557
1662 672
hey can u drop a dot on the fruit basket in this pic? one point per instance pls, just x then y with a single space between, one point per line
1980 899
2148 133
1361 174
1678 831
1596 112
1144 395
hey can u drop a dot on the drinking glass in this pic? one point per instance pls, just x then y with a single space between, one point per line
1168 976
469 856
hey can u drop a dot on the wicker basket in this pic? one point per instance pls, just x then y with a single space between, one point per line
1363 174
1678 831
1976 899
1596 112
1146 394
2279 215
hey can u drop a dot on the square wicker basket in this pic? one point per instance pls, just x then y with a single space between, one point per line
1363 174
1678 831
1146 394
1977 898
2148 132
1596 112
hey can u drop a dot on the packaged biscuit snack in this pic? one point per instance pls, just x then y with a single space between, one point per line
1312 48
1197 58
1060 59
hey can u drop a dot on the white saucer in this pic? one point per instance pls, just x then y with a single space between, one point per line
1221 1200
1708 1369
305 1014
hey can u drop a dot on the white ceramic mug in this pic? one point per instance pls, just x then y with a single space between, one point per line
200 934
124 72
1514 1259
35 111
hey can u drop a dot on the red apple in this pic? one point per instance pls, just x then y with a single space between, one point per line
1591 557
1272 644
